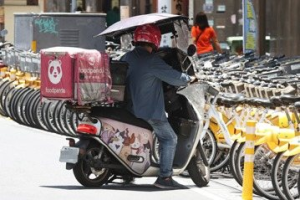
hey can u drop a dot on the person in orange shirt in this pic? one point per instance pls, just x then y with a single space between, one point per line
204 36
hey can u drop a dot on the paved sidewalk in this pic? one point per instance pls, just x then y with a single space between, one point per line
220 187
227 185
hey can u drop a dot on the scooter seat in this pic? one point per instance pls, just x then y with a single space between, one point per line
120 114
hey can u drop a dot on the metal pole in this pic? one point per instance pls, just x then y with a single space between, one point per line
262 27
247 193
73 6
191 12
125 10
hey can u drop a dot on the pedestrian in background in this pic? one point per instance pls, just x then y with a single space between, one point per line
204 36
113 16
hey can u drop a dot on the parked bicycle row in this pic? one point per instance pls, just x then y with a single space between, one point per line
271 99
274 131
20 94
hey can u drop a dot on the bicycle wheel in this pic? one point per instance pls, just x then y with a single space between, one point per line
156 151
30 107
56 117
50 116
221 159
290 177
75 117
61 120
45 107
19 102
38 112
6 96
239 164
209 145
232 160
3 85
69 120
7 100
16 98
298 183
276 175
263 164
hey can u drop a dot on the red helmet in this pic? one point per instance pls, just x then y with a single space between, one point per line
147 33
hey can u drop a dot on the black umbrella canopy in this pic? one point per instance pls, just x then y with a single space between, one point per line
163 20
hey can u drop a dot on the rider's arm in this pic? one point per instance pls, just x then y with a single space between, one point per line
215 41
216 44
167 74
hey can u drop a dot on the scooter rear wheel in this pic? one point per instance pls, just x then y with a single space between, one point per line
86 171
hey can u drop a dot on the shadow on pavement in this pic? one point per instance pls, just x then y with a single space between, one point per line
131 187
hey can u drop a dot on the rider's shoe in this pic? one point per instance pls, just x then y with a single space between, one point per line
168 183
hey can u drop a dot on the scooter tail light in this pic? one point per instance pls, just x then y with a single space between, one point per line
87 129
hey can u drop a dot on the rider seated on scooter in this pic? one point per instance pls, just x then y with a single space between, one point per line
145 75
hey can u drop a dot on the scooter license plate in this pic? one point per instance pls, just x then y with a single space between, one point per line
69 154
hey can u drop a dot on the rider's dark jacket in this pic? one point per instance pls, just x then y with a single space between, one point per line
144 80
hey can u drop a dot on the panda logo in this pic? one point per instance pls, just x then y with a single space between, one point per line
55 71
91 61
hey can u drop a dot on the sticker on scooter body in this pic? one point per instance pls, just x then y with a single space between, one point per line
131 143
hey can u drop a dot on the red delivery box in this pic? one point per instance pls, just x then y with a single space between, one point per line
76 74
92 77
57 72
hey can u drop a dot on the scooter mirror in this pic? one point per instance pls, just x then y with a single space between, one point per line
191 50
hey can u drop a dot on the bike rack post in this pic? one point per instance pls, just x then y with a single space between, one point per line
249 161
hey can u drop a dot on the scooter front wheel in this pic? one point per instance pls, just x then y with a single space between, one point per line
87 170
198 170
